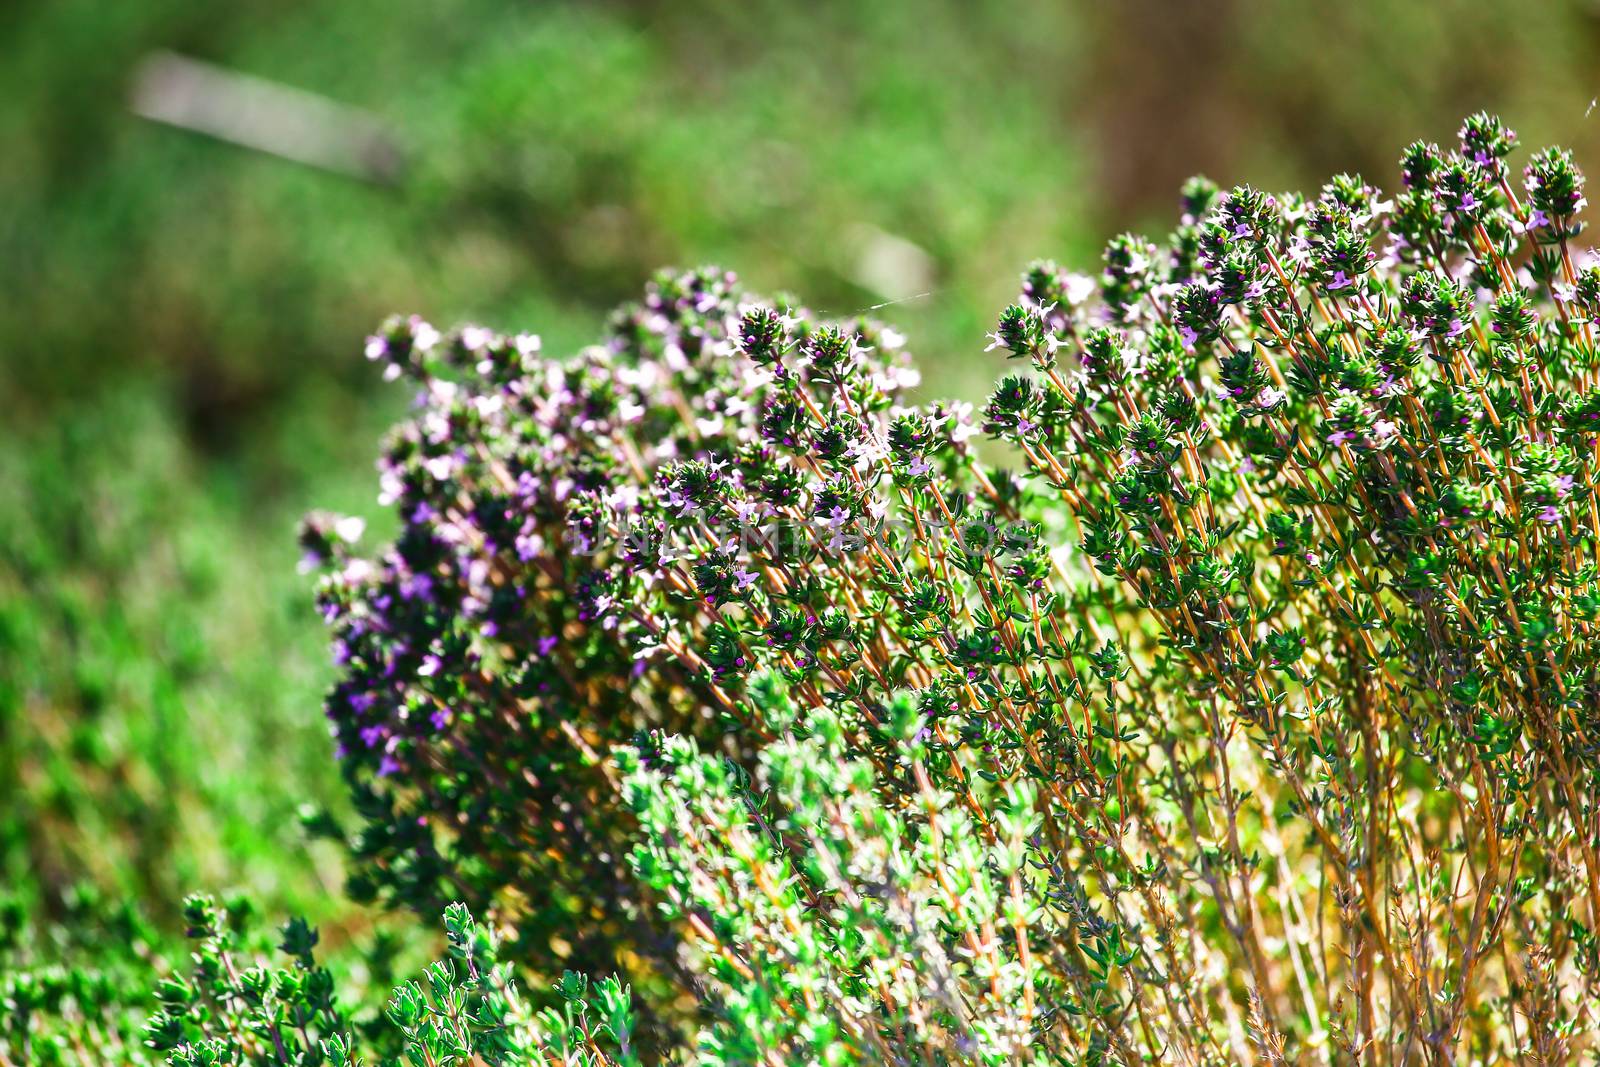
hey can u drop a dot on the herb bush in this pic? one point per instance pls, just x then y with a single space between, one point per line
1247 714
1234 703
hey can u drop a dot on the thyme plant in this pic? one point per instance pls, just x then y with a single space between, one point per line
1245 710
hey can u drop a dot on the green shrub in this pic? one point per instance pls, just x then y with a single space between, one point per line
1250 717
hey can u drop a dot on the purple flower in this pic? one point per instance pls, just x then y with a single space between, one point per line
416 586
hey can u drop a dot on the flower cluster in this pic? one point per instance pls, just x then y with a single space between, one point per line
1252 713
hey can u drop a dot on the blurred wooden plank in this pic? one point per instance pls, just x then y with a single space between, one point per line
266 116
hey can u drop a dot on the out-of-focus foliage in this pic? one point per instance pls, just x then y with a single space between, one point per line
556 154
155 672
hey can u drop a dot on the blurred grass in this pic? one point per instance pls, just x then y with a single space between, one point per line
180 336
160 667
558 154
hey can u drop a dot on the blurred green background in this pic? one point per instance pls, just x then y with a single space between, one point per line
181 322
